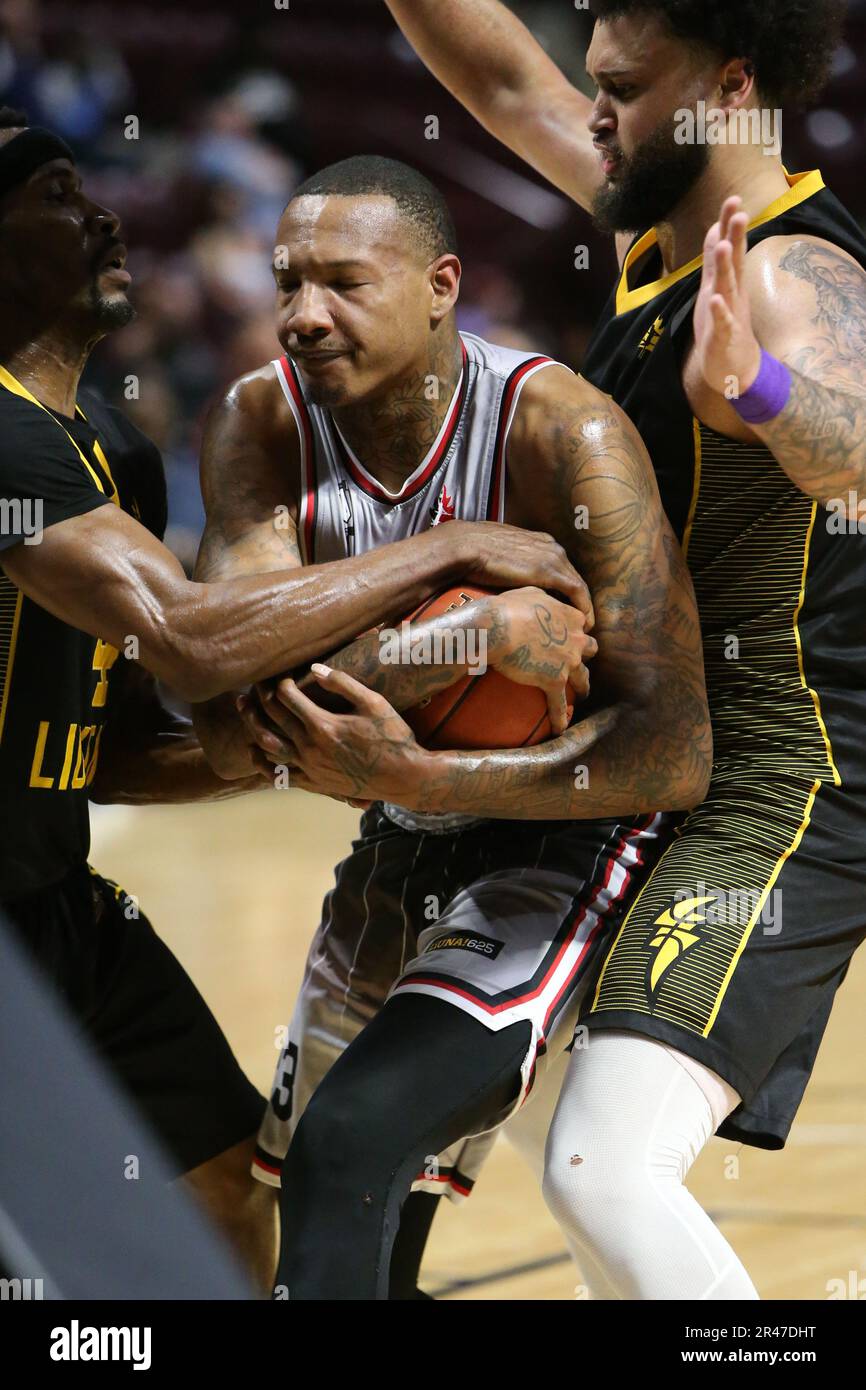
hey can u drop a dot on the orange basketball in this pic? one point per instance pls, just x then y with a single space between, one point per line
484 711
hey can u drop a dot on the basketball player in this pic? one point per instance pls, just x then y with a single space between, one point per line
345 437
735 343
85 577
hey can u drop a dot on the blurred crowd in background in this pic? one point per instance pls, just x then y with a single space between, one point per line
195 121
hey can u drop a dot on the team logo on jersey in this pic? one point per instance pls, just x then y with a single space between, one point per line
651 338
444 508
675 931
466 941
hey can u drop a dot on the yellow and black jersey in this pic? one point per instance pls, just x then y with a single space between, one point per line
54 679
733 950
779 588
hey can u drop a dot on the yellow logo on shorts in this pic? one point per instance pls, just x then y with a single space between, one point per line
676 934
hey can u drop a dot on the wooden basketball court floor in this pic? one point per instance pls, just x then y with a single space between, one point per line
235 889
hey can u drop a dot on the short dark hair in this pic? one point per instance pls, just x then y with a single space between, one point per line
418 200
790 42
10 118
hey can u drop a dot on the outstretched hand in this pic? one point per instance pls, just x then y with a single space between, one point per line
728 351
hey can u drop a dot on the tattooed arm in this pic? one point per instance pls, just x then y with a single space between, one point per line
804 301
647 744
525 634
246 472
816 324
576 460
249 471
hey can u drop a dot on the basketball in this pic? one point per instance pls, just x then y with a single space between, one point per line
483 711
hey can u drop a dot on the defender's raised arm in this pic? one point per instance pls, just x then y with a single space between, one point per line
494 66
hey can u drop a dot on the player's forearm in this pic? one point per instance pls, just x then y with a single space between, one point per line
106 575
819 440
226 635
406 664
170 767
414 661
619 761
474 47
494 66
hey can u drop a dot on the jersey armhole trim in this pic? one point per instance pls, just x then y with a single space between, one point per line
285 374
507 409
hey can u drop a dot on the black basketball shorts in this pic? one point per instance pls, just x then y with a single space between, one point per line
141 1011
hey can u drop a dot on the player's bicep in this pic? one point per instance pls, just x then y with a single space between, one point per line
258 548
646 615
809 309
250 529
249 503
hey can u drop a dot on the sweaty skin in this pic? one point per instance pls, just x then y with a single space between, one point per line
647 743
367 315
250 467
368 319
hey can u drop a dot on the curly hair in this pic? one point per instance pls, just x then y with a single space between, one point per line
790 42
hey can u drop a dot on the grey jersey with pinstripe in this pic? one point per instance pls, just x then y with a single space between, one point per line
344 511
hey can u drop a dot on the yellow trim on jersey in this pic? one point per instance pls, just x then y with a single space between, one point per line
10 661
783 858
696 487
12 384
816 699
100 454
800 187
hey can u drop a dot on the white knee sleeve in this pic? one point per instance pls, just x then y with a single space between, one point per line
632 1117
527 1129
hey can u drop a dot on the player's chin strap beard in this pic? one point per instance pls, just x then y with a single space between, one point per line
24 154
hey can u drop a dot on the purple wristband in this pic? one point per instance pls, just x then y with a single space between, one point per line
768 394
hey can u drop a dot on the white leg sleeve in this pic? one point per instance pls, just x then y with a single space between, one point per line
632 1117
527 1132
527 1129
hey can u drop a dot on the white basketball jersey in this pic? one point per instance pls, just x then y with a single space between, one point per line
345 511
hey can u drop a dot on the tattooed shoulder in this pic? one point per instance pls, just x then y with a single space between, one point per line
834 311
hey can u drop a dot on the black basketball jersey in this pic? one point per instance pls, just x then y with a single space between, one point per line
780 591
54 679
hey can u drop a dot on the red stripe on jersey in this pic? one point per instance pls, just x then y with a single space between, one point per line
512 386
268 1167
309 445
458 1187
625 841
373 489
596 891
446 1178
